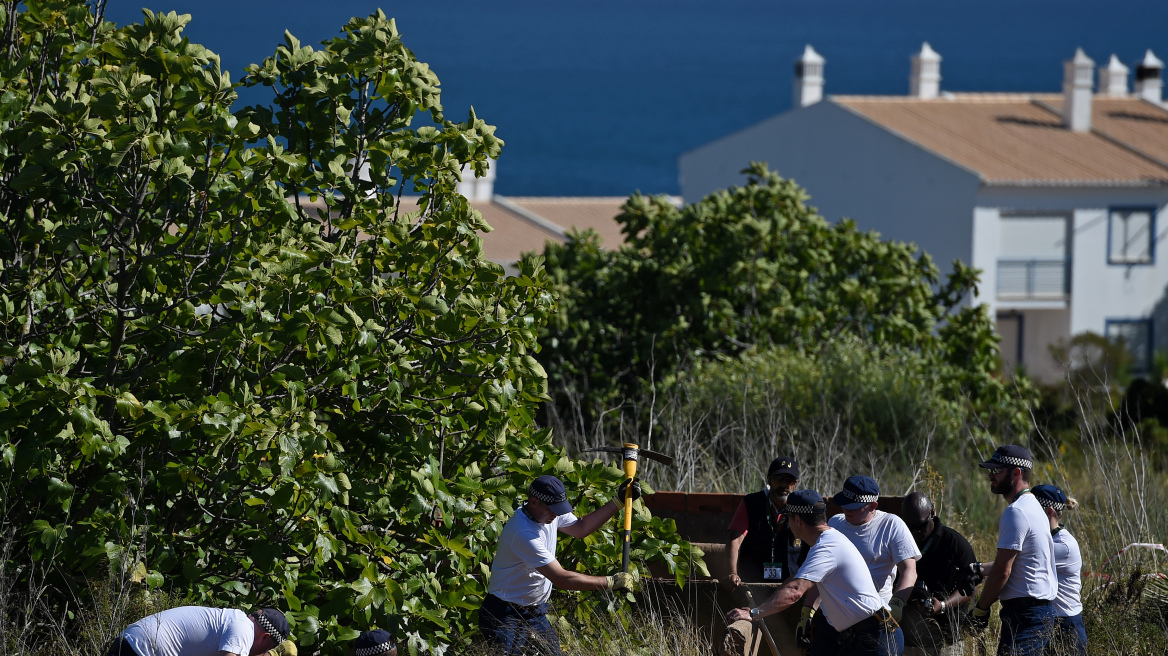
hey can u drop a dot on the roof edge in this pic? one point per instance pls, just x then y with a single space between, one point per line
1061 184
530 217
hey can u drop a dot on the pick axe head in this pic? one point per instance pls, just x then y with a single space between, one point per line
633 452
630 454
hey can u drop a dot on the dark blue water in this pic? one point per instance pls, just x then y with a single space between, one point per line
600 97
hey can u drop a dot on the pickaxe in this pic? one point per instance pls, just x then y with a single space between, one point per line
630 453
760 623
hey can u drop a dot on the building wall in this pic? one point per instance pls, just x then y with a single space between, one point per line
852 168
1099 291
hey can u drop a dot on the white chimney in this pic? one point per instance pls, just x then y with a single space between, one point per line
1078 74
1148 82
1113 79
809 78
925 80
475 188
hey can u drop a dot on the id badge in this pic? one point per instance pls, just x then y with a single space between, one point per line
772 571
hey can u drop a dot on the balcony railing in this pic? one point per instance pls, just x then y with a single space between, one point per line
1046 280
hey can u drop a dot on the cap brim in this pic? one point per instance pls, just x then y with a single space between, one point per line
560 508
784 470
846 503
990 464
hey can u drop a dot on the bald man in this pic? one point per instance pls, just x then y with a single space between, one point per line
944 587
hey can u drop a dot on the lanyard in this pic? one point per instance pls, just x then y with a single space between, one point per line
771 519
1020 493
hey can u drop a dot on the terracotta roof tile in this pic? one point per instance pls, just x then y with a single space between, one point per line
596 212
1019 139
513 235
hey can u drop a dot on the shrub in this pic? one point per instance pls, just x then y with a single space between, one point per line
318 412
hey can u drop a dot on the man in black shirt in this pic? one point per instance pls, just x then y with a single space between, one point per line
944 583
761 546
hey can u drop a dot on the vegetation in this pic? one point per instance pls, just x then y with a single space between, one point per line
755 267
210 386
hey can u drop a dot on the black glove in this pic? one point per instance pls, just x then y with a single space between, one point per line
973 575
977 619
620 491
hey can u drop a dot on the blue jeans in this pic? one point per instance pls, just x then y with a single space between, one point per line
1026 629
1070 635
518 630
863 640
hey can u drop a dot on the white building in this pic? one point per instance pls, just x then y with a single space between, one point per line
1058 198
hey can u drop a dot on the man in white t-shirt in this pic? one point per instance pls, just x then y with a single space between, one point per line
854 618
524 571
202 631
1022 575
883 540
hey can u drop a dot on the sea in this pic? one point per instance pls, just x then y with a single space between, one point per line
600 97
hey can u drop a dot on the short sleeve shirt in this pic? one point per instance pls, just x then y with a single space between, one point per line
1024 528
524 547
192 631
883 541
740 523
1068 565
846 592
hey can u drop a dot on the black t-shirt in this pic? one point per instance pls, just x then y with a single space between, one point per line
944 563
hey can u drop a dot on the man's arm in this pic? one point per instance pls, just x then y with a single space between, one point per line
587 524
786 596
565 580
907 578
732 548
996 580
955 600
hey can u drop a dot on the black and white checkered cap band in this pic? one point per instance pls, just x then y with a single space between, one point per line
375 649
546 498
1012 461
1048 503
805 510
268 628
860 498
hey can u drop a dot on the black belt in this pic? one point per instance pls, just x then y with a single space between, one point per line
1019 603
873 623
534 609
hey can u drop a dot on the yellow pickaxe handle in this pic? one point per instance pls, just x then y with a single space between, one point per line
629 455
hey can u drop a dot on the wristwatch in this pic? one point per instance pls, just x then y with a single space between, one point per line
942 605
754 613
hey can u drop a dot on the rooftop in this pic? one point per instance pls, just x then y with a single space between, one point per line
1020 139
525 224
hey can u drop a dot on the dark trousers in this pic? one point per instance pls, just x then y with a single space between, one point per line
517 630
866 639
1026 627
1070 636
119 647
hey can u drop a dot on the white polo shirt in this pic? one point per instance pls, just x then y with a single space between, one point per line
883 541
524 547
192 631
846 592
1024 528
1068 565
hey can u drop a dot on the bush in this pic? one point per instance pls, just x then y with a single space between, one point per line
755 266
260 404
